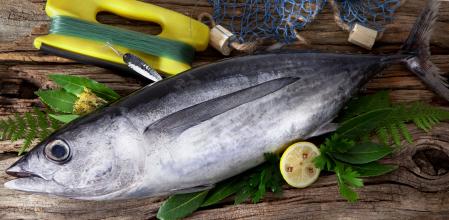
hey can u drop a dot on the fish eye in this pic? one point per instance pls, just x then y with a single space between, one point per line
57 151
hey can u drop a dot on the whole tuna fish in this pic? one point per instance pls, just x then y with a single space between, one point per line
190 131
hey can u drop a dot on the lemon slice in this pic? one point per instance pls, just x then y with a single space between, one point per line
297 165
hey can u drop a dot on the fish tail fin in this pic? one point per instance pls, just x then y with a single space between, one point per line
417 46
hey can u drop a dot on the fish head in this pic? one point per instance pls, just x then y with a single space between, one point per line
95 160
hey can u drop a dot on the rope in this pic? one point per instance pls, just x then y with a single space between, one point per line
248 47
149 44
209 17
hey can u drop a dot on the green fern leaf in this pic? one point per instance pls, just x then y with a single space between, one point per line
426 122
42 123
29 137
382 134
55 124
432 120
364 104
419 124
12 128
31 122
31 133
3 127
395 135
28 127
405 132
20 128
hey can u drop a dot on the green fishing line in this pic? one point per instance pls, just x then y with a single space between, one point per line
149 44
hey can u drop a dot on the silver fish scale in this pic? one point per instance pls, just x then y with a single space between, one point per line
202 84
243 134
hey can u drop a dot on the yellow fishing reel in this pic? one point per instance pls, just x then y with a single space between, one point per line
181 36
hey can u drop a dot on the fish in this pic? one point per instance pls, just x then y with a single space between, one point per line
187 132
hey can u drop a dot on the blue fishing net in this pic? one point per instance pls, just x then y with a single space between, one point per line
262 19
371 13
279 19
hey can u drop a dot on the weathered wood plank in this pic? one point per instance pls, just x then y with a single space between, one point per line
418 189
25 20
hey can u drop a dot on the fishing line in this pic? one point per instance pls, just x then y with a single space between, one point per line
149 44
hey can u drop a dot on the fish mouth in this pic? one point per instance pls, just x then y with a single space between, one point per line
26 181
30 182
21 174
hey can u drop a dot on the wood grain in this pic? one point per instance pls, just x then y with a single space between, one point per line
419 189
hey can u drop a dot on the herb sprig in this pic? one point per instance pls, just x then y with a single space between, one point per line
350 151
76 95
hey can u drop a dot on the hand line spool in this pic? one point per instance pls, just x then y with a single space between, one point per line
75 33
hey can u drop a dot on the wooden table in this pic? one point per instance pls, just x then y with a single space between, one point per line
418 189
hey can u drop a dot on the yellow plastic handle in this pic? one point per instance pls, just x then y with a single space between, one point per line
175 26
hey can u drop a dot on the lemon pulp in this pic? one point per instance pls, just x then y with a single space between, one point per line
297 165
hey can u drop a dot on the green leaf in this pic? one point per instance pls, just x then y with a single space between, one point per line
405 133
321 162
361 105
42 122
76 84
4 129
20 130
337 144
64 118
364 153
58 100
180 206
261 189
243 194
350 177
363 124
223 190
55 124
373 169
395 134
347 192
347 179
12 128
382 133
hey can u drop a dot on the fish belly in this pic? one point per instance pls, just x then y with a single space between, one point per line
236 140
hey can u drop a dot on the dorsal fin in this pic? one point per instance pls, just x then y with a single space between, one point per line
186 118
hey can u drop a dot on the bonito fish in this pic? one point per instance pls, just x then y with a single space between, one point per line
190 131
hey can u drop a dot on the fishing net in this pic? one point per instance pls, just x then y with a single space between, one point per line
370 13
281 19
265 19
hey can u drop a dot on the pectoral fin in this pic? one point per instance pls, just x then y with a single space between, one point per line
327 128
192 189
189 117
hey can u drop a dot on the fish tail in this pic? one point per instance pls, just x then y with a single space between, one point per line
417 46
